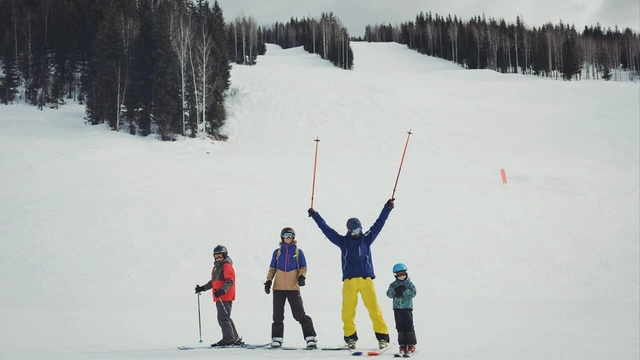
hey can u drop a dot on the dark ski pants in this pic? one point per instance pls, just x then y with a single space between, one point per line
404 325
229 333
297 309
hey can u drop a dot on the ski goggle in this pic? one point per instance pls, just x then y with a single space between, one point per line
288 236
218 256
401 273
355 231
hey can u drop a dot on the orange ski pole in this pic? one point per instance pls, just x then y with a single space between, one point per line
401 161
315 161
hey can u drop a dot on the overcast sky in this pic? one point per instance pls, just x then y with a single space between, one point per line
356 14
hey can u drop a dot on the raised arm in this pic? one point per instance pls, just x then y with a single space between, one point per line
372 234
331 234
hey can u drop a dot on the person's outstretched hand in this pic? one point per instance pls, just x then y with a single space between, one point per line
390 203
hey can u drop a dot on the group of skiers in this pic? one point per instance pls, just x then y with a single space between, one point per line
287 274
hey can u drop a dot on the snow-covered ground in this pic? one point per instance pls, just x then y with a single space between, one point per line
104 235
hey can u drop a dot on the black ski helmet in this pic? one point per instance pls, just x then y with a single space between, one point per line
353 224
220 250
287 230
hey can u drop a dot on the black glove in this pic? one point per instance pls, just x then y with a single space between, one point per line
199 289
267 286
218 293
311 212
390 203
301 280
399 290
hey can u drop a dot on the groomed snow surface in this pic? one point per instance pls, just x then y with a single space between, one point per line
104 235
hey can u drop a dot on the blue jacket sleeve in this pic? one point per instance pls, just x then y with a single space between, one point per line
302 261
331 234
375 229
273 259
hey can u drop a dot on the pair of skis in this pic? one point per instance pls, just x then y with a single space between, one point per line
266 346
307 349
243 346
404 354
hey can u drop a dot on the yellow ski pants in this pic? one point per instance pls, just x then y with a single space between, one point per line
366 288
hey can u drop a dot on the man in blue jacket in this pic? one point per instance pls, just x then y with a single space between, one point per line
357 273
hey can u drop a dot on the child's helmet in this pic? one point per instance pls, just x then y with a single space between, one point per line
287 230
399 267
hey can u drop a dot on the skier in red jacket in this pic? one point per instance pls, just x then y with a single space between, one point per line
223 286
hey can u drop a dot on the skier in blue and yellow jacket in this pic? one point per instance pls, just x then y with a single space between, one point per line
358 273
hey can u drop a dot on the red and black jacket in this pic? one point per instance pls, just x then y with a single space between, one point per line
223 277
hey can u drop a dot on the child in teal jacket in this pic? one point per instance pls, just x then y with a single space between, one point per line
402 291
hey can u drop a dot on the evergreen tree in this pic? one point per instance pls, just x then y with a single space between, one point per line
57 94
102 93
10 81
262 47
571 61
603 64
606 71
166 93
132 97
86 19
143 63
221 74
539 57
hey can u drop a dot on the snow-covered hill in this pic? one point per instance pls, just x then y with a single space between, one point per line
104 235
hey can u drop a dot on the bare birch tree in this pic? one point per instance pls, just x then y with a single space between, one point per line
29 66
506 37
453 35
235 38
253 39
243 27
45 71
616 49
550 40
327 21
181 37
430 37
313 24
201 65
477 35
516 38
493 39
15 40
526 44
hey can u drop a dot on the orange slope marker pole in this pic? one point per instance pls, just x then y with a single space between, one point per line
315 161
504 176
